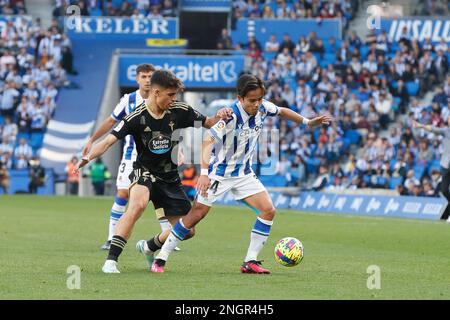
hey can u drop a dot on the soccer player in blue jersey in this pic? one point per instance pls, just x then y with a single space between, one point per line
127 105
229 169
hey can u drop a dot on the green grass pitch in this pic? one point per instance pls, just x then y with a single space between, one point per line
40 237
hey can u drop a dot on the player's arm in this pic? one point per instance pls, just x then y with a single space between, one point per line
105 127
203 182
428 127
288 114
99 149
216 133
222 114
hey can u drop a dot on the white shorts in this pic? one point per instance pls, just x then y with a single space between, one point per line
240 187
123 173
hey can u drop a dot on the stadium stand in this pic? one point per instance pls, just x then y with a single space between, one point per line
372 86
15 7
33 69
133 9
367 85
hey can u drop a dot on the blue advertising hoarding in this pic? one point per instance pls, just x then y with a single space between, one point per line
420 28
112 28
363 205
194 71
263 28
206 5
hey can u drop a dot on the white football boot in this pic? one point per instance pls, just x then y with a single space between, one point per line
110 266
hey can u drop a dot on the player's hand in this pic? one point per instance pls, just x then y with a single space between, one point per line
203 184
80 164
325 119
224 113
87 148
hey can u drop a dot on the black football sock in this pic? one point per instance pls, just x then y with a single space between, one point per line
117 245
154 244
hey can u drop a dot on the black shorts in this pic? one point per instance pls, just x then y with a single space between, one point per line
168 196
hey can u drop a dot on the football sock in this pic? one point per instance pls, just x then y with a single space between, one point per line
117 245
178 233
258 237
165 224
154 244
117 210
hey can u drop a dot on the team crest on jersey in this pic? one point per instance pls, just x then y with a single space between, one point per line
171 124
221 125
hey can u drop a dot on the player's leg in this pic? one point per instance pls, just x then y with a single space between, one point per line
184 227
120 202
139 197
253 193
179 232
176 204
117 210
164 222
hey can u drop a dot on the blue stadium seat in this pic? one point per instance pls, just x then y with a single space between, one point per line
353 136
364 50
21 135
329 58
363 96
36 140
381 180
419 170
312 165
2 120
433 165
269 55
317 55
316 134
393 84
268 181
345 145
392 163
279 181
96 12
395 181
412 88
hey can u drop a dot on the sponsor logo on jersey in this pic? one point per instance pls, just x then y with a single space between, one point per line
160 144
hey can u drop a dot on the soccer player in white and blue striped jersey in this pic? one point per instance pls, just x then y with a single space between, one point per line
230 169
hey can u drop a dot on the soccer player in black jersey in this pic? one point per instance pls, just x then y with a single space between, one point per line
155 176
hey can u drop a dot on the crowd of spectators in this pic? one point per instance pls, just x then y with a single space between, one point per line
34 63
153 9
295 9
368 86
12 7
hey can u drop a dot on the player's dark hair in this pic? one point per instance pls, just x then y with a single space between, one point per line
249 82
166 79
145 67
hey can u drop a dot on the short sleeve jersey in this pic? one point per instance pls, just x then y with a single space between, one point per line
153 137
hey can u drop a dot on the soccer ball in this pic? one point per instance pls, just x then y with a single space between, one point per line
289 252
